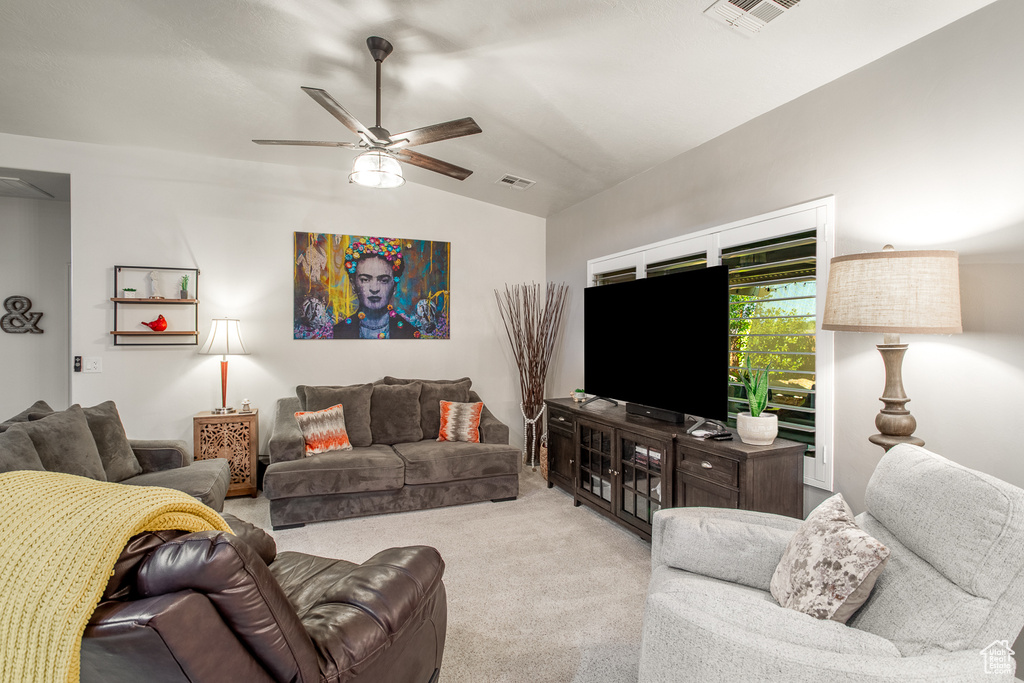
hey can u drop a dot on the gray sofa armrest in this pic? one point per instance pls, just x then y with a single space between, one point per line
492 430
161 454
739 546
286 442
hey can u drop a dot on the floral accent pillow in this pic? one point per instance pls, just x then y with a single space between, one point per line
830 564
324 430
460 421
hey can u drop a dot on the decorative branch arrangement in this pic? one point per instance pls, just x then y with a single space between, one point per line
532 318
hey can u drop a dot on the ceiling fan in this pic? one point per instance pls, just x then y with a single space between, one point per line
378 165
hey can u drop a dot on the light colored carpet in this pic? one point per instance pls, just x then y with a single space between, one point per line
538 590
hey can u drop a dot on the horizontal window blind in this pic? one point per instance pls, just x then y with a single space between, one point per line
613 276
677 265
772 322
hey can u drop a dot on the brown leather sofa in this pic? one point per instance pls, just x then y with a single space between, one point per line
216 607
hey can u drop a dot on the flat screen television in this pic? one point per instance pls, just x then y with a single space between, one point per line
660 343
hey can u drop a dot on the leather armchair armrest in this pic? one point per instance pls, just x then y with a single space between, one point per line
161 454
286 442
179 634
738 546
492 430
242 590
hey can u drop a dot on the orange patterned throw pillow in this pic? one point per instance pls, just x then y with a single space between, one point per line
324 430
460 421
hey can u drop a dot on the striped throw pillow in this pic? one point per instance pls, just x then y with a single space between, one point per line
324 430
460 421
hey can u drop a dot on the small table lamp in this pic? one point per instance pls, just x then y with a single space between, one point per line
225 340
889 291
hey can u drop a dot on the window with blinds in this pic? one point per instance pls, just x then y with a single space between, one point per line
613 276
772 322
677 265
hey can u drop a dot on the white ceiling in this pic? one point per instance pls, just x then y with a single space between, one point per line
577 95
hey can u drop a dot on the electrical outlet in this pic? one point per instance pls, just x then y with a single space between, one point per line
92 364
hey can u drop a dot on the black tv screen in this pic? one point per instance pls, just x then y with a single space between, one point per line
660 342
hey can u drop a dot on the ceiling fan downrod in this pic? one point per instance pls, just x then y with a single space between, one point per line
379 50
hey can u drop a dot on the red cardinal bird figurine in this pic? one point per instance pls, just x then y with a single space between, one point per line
158 325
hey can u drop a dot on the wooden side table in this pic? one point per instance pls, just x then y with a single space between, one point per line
234 437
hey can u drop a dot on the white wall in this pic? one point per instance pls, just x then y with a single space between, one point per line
922 148
35 250
234 221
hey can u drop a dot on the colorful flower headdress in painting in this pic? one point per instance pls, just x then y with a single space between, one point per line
387 248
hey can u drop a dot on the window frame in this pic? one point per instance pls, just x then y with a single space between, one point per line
817 215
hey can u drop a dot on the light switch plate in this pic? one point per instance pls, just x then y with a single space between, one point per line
92 364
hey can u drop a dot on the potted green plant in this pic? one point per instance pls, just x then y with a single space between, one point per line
579 395
127 292
184 287
757 427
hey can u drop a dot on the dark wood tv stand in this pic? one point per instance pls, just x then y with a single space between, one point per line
627 466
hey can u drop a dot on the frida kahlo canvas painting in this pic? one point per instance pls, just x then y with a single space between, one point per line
361 287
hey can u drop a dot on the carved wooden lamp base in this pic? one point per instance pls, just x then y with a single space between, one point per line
894 422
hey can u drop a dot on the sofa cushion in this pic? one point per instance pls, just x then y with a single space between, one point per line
116 454
430 403
206 480
17 451
830 564
373 468
37 407
395 413
64 443
429 462
355 398
434 391
400 380
324 430
707 614
460 421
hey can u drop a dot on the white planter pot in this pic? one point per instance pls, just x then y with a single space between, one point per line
757 431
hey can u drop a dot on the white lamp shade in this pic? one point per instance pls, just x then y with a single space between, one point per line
376 168
225 339
894 291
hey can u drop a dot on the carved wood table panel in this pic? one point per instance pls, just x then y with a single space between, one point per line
234 437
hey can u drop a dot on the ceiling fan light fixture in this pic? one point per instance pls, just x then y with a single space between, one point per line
376 168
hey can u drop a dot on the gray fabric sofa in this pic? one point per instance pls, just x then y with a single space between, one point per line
396 465
948 604
91 442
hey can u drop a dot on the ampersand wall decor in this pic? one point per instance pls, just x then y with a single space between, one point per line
18 319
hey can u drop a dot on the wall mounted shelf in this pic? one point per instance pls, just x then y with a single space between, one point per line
182 315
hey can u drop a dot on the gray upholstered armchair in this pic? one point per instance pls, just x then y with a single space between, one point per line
953 586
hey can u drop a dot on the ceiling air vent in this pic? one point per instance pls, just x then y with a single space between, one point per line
749 15
515 182
16 187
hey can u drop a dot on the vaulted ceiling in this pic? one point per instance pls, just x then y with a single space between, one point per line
577 95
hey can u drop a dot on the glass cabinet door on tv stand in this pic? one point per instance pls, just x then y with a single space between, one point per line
594 464
640 486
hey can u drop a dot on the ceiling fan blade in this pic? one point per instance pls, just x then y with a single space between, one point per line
338 112
309 143
438 131
432 164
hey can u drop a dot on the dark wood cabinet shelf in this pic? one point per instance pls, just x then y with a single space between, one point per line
627 467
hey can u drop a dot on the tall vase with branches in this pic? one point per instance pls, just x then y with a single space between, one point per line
532 316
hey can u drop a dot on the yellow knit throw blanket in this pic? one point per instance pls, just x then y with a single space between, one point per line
60 536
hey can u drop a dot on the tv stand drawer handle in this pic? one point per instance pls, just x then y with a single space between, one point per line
561 419
706 465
